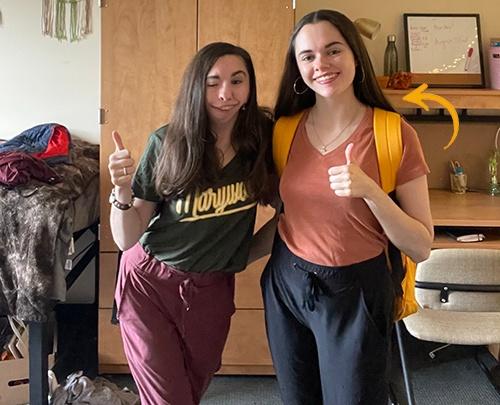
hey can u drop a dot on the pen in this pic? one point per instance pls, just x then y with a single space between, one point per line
456 167
468 58
452 166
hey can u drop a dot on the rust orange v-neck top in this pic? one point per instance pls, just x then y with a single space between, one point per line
321 227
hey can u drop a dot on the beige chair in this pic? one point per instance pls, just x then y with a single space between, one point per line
458 291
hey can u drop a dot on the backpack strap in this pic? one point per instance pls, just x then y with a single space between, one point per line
389 145
387 131
283 134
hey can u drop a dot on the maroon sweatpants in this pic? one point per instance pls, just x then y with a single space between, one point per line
174 326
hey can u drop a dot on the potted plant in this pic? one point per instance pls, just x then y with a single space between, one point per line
493 168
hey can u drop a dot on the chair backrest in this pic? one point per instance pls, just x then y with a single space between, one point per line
465 280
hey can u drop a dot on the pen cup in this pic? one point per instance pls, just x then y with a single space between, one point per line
458 183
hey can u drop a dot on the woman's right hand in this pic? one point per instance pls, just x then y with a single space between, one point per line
121 165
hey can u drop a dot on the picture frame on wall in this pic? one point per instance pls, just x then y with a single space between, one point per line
444 50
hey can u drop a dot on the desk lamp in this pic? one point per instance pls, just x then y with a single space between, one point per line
367 27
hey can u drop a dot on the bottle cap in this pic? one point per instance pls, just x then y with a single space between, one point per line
391 38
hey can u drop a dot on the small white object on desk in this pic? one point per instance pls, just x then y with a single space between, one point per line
475 237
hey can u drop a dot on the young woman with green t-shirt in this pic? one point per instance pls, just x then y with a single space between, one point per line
185 221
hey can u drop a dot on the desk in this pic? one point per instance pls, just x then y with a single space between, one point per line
475 210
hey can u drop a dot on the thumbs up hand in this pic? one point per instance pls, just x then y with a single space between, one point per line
117 140
121 165
349 180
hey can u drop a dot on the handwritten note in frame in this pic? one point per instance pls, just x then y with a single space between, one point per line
444 50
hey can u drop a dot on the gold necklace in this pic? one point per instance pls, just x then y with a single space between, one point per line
222 152
324 146
226 154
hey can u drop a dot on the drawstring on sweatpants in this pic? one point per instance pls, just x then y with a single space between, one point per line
313 289
185 292
312 292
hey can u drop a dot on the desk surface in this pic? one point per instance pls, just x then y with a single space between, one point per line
469 209
474 210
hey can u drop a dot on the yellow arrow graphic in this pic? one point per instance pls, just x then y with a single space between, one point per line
418 96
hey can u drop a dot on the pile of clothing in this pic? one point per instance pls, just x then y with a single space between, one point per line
80 390
37 224
29 155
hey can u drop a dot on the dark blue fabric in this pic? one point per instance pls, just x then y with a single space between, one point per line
35 140
328 329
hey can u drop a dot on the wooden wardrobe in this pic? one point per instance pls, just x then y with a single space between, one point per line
146 45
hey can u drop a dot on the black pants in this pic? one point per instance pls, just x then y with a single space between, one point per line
329 329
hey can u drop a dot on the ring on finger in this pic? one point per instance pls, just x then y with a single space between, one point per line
124 171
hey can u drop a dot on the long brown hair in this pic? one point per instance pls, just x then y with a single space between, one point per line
366 88
188 160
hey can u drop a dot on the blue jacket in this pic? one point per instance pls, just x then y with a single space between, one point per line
50 142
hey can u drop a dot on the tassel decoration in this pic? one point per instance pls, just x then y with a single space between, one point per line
55 16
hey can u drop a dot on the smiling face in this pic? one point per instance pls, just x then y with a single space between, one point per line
227 90
325 61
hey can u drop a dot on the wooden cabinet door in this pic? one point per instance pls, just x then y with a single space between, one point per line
247 291
108 267
146 45
262 27
246 350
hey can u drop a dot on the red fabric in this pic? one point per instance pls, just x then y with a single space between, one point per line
174 326
58 144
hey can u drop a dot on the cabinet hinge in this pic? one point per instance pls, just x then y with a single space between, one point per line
102 116
103 3
293 4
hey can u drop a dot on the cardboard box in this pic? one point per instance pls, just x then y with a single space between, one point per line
12 371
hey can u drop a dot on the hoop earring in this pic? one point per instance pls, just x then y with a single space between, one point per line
295 87
363 76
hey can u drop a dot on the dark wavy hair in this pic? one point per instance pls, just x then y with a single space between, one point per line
366 88
188 160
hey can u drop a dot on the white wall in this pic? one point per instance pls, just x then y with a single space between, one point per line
390 14
43 80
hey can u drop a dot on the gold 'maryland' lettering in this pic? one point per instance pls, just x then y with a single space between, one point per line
213 214
213 203
180 201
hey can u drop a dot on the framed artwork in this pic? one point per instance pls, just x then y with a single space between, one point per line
444 50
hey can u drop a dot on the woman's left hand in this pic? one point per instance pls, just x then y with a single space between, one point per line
349 180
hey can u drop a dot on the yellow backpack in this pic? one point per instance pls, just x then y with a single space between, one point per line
387 130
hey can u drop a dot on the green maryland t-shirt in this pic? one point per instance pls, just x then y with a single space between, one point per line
206 231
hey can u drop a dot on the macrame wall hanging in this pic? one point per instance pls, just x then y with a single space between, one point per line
56 14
